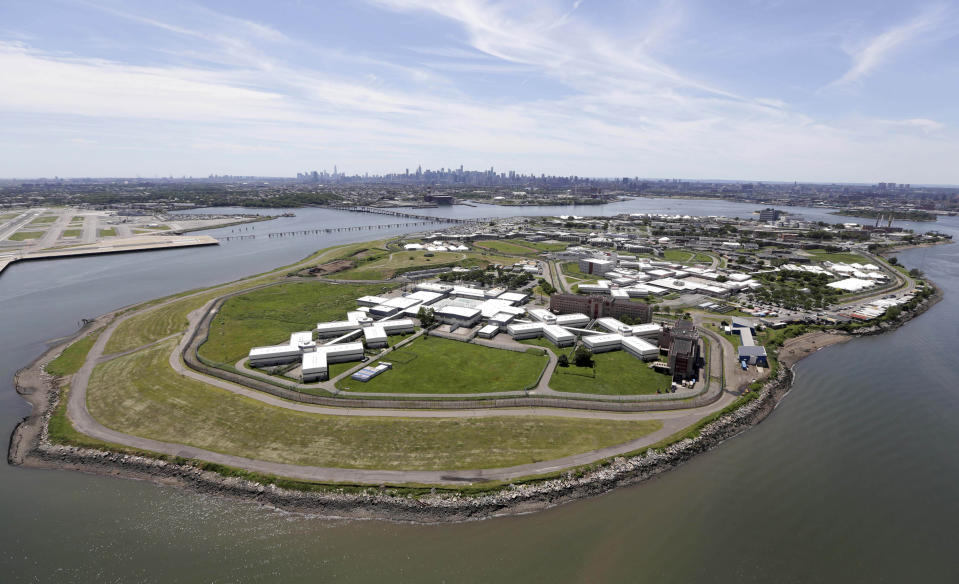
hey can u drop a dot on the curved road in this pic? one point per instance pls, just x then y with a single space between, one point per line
673 421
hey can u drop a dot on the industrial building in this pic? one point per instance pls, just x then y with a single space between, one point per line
682 341
595 266
595 306
458 315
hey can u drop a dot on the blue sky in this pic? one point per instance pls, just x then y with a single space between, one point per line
854 91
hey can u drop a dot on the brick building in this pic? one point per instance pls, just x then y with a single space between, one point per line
597 306
682 342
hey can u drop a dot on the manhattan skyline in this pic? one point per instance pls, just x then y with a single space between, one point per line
753 90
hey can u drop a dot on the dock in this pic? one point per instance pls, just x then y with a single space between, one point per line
114 245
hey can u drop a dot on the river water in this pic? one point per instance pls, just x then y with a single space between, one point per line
852 479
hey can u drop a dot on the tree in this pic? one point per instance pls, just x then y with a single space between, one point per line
582 357
562 361
427 316
894 261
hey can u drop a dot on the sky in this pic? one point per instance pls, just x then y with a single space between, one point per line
807 90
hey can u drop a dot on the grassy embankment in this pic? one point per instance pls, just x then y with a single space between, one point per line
25 235
613 373
72 358
435 365
382 264
139 394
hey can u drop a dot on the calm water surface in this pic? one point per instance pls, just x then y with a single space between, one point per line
852 479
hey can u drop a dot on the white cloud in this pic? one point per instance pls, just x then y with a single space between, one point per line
238 105
869 56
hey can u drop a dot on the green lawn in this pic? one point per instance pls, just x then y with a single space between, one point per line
821 255
139 394
436 365
25 235
71 233
385 264
268 316
521 246
542 245
572 269
686 257
542 342
615 373
77 219
72 358
511 247
109 232
6 216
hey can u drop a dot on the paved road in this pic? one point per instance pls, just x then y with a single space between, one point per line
89 229
673 421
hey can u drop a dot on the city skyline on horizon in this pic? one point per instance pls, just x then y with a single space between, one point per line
753 91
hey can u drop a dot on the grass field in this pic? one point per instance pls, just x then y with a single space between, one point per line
161 322
686 257
268 316
71 233
385 263
72 358
44 220
6 216
616 373
25 235
109 232
139 394
436 365
544 245
77 219
514 247
821 255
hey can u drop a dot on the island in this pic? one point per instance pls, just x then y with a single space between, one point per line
489 368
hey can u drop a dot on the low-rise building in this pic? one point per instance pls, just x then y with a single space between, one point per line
458 315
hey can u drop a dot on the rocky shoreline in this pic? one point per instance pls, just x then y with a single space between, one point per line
30 446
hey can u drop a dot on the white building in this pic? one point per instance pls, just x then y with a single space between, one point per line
603 343
273 355
458 315
522 330
640 348
558 335
488 332
595 266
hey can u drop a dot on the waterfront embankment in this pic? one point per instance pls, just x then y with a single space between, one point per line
31 446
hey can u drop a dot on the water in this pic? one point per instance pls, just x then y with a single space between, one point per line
851 479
